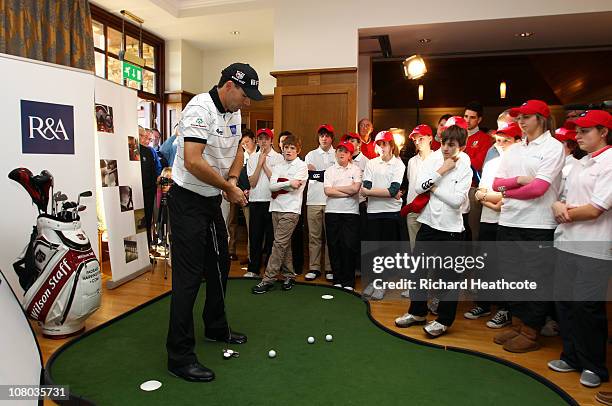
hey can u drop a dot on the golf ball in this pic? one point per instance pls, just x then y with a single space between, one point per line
271 353
230 352
227 355
310 340
329 337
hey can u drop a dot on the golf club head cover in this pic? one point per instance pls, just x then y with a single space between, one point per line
24 177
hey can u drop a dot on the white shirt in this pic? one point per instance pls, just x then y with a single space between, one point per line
543 159
382 174
261 191
202 122
443 211
337 175
414 167
489 169
567 168
589 183
321 160
361 161
293 170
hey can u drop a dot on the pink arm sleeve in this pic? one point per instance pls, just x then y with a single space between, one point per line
508 183
532 190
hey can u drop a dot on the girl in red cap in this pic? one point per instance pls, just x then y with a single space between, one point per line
584 257
528 177
382 179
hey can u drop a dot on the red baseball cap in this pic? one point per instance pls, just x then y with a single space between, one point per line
348 136
531 107
564 134
266 131
456 120
509 129
384 136
327 127
346 144
592 118
421 129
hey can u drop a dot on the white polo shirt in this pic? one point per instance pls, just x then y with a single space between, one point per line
382 174
321 160
414 167
543 159
570 161
205 122
261 191
489 170
361 161
444 210
589 182
289 202
337 175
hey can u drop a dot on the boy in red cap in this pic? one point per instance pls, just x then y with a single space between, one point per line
368 145
341 185
318 161
259 170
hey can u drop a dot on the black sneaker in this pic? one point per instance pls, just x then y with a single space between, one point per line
262 287
476 313
288 284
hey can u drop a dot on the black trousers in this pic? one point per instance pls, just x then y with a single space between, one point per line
342 231
148 195
199 248
518 258
261 234
582 283
386 227
488 232
447 308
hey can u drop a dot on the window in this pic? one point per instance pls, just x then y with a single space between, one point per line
108 44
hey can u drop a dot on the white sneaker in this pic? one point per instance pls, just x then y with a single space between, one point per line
349 288
311 276
368 290
250 275
405 294
329 277
408 320
435 329
378 294
475 313
337 285
559 365
590 379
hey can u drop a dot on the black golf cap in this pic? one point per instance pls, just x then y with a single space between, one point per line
244 76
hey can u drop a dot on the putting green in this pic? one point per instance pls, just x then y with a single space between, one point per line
364 365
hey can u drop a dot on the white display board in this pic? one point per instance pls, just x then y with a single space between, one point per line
119 180
21 360
46 124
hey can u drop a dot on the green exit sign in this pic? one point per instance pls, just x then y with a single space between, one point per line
132 72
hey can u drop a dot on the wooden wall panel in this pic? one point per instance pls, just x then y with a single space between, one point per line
305 99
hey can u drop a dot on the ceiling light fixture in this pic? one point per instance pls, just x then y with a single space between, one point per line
502 90
414 67
524 34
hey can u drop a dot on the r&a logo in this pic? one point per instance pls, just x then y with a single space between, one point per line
47 128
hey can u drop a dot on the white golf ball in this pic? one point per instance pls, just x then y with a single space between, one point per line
329 337
271 353
310 340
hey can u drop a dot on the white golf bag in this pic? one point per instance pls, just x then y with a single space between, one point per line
60 275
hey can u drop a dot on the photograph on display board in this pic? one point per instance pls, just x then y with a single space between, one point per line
139 221
109 172
133 149
104 118
125 198
130 246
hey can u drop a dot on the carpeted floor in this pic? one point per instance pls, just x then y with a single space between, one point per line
364 365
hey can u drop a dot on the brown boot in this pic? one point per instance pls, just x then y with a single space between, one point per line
510 333
526 341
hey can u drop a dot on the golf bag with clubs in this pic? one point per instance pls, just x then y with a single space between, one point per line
59 272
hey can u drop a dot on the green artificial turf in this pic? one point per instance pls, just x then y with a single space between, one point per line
364 365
